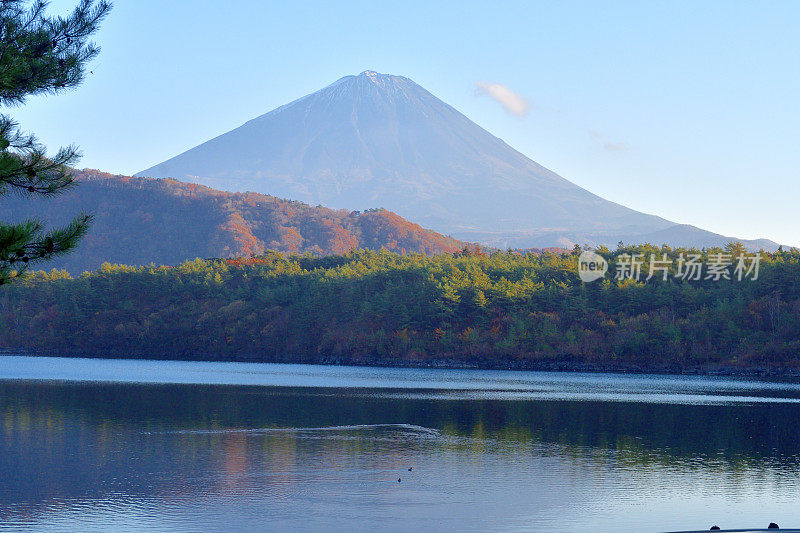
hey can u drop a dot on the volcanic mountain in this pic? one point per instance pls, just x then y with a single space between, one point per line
377 140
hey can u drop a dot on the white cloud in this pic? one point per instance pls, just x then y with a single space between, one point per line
607 145
615 147
511 101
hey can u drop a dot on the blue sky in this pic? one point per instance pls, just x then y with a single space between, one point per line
687 110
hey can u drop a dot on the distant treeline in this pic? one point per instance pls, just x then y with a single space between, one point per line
464 309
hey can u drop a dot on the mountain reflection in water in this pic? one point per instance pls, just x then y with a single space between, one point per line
182 457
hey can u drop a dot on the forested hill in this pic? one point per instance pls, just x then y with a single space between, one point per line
465 309
141 221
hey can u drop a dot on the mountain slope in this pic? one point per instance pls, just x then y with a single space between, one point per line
381 140
141 220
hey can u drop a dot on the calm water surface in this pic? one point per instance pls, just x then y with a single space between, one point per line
99 445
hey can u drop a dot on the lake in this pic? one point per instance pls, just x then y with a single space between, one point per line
99 445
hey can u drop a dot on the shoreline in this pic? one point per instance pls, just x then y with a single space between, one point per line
567 367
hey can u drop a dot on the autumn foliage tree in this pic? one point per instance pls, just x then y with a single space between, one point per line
39 55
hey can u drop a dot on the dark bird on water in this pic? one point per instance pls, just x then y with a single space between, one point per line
410 468
398 480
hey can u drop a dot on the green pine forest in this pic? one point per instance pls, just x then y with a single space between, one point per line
392 293
465 309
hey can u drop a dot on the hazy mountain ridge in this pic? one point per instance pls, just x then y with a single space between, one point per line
142 220
677 233
376 139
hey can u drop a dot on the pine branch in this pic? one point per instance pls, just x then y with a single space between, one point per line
22 245
39 55
43 55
